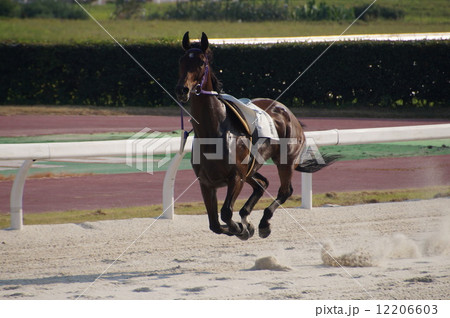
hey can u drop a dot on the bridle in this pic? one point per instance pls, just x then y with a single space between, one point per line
198 89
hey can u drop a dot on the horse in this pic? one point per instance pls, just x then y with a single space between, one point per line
213 120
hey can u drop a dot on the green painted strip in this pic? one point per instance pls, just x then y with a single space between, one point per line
391 150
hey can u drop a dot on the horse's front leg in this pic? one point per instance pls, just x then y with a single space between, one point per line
210 199
234 188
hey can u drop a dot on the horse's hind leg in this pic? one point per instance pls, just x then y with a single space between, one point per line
284 192
259 184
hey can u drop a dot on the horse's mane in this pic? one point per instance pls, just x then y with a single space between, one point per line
217 84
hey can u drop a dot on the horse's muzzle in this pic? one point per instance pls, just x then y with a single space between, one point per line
182 93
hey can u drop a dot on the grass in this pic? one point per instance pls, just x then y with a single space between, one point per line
54 31
197 208
415 10
434 11
420 16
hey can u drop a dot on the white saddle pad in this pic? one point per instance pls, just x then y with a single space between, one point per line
255 117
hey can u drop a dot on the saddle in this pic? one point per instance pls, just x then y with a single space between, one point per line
256 122
251 116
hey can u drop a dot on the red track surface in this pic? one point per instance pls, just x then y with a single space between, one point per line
29 125
122 190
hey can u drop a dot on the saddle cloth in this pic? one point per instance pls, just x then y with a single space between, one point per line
255 117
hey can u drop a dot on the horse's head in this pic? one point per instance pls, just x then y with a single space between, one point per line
193 68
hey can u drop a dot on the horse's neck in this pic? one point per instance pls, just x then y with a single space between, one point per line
209 113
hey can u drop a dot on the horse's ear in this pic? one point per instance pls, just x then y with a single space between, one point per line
186 42
204 42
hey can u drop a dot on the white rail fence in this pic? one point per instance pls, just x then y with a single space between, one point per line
436 36
47 151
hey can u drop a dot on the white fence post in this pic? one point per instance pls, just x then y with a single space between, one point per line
306 191
169 186
17 195
169 178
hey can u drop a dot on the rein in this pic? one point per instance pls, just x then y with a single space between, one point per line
198 90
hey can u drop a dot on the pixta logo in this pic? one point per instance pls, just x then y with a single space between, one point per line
214 149
147 151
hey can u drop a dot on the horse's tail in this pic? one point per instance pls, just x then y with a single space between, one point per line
314 165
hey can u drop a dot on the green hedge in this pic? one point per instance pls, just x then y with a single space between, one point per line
399 74
272 10
41 9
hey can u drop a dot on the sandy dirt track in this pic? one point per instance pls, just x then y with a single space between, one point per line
408 245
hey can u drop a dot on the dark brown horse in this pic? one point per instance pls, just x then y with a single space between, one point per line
238 162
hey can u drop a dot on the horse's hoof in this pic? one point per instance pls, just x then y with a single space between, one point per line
251 229
264 232
225 230
244 235
217 230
